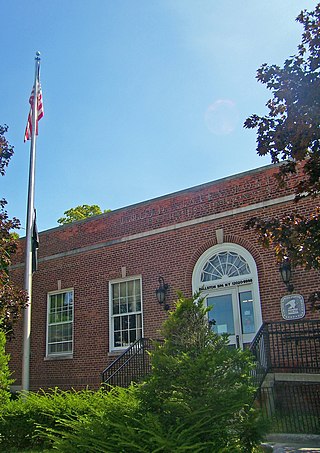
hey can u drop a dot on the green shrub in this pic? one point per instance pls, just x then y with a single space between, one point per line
103 429
19 419
197 376
5 380
197 399
135 432
125 426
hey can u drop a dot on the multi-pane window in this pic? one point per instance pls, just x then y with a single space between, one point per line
126 312
60 323
224 265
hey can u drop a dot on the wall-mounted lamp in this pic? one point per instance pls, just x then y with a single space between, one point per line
161 293
285 271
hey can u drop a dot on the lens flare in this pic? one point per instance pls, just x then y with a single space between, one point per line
221 117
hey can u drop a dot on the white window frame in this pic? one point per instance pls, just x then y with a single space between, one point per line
59 354
112 347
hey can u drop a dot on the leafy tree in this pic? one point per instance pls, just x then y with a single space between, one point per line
290 134
198 381
80 212
12 299
6 150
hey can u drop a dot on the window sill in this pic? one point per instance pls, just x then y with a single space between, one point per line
58 357
117 352
15 388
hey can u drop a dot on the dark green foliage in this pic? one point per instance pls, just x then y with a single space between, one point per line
122 424
291 128
6 150
12 298
113 425
20 418
197 399
5 380
294 235
290 133
198 378
145 433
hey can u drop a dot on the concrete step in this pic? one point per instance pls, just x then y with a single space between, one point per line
292 443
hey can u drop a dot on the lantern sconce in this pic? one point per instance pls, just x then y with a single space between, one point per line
285 271
161 293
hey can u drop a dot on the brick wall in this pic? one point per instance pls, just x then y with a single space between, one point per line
165 236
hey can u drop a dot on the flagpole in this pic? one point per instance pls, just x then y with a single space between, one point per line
29 225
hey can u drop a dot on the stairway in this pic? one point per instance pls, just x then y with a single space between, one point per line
131 366
287 375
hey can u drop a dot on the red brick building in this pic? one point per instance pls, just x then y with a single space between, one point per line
94 291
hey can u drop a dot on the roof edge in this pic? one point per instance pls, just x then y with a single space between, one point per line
162 197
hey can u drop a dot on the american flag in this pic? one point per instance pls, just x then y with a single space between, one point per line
39 113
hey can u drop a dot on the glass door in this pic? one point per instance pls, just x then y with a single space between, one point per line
247 315
233 313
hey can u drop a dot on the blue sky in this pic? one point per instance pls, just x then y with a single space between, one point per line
142 97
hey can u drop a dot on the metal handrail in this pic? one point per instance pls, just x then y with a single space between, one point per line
295 346
260 351
287 346
278 346
119 358
130 366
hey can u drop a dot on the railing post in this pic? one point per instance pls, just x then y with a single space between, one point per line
266 340
144 368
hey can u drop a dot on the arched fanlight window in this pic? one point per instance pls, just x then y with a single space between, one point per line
223 265
226 276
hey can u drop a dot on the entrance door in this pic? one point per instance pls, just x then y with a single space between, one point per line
233 313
